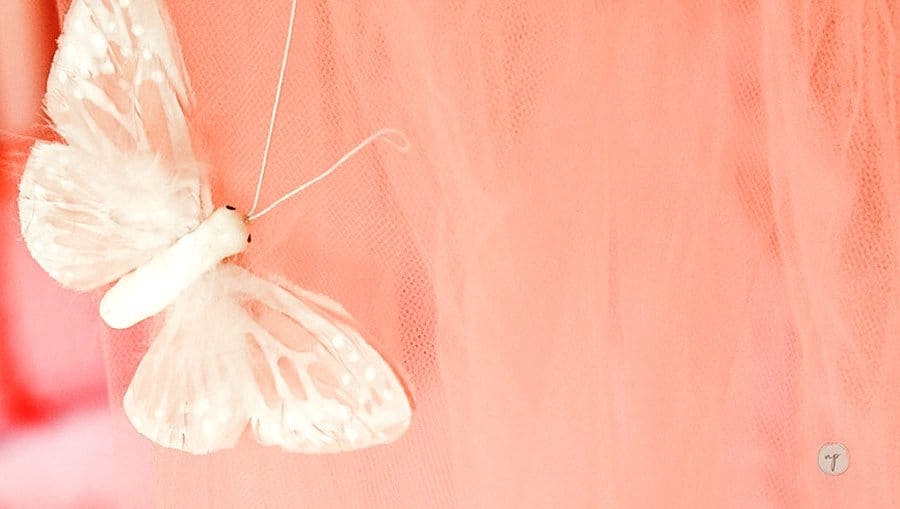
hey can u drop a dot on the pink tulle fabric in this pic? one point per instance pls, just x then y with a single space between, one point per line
642 254
55 451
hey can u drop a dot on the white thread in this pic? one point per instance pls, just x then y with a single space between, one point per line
284 59
382 133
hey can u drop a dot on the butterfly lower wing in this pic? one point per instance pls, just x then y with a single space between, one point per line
323 388
186 392
194 387
237 349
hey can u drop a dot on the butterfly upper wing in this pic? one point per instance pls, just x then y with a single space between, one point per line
126 184
287 362
118 82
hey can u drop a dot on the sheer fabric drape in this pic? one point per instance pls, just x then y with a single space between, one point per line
642 254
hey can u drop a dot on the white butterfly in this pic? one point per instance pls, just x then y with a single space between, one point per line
126 201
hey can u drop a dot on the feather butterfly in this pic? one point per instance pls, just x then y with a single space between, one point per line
125 201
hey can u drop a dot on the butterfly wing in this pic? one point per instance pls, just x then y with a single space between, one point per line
238 350
126 184
118 83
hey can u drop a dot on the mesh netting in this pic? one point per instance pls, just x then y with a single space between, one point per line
642 254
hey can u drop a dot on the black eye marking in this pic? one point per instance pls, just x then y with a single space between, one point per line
229 207
249 238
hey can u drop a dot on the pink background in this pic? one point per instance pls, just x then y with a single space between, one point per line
641 255
54 421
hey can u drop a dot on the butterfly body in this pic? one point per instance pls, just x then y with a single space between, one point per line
125 201
153 286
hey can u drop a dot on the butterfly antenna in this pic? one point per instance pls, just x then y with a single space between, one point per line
284 59
403 144
399 141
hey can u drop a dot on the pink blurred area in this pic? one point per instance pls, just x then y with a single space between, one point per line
55 447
